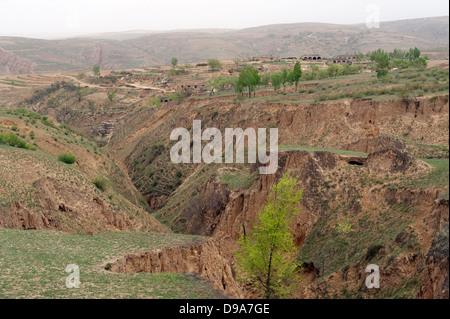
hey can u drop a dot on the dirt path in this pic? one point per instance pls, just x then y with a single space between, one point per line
136 86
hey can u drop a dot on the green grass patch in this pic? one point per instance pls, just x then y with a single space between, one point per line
319 149
67 158
437 177
238 180
101 183
422 150
33 264
12 139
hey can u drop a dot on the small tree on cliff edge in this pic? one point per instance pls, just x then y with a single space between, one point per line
96 70
266 256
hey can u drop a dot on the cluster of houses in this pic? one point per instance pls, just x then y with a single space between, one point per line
199 86
340 59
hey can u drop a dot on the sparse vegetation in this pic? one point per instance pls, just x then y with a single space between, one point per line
67 158
436 177
32 253
154 101
100 183
111 95
14 140
238 180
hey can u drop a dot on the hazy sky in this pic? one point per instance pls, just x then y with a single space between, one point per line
59 18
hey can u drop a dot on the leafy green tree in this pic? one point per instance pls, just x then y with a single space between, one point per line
400 64
111 95
286 77
346 70
96 70
413 54
221 83
174 62
248 78
419 63
397 54
334 70
276 79
266 256
213 84
297 74
313 74
382 62
214 64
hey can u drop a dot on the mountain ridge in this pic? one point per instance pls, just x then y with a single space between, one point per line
189 46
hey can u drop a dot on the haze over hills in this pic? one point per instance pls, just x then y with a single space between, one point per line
135 49
67 55
132 34
88 177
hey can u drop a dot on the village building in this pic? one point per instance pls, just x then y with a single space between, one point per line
193 87
311 58
343 59
291 58
264 58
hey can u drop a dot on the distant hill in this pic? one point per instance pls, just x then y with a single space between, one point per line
72 54
436 29
134 49
296 39
128 35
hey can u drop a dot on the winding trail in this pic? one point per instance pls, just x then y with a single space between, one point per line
135 86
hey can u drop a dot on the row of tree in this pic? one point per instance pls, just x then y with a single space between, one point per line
287 76
384 61
249 78
332 71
